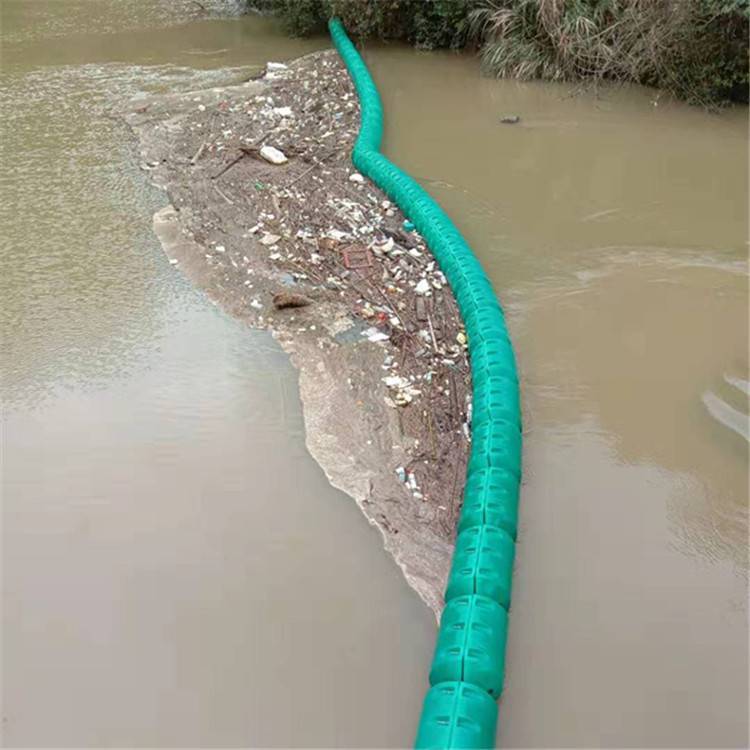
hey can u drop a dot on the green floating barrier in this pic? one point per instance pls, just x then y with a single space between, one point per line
490 497
495 449
471 644
500 432
482 564
467 671
457 715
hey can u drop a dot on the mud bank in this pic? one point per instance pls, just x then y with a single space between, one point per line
314 252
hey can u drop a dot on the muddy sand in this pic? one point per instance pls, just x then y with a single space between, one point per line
316 253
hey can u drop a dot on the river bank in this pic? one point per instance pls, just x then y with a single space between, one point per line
311 250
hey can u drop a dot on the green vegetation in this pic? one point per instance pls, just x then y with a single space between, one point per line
424 23
695 49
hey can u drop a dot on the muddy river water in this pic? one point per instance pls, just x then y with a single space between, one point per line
177 570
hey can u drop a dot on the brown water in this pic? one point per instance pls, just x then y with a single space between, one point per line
169 578
176 569
614 227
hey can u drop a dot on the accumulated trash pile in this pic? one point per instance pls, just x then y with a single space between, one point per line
269 217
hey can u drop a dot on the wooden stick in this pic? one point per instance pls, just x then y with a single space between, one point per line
315 164
250 150
432 332
198 153
216 188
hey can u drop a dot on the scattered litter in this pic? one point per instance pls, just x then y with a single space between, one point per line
319 235
403 390
510 119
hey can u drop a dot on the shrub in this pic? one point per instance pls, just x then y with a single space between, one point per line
711 65
299 17
424 23
696 49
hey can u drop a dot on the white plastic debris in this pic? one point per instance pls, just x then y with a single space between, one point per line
422 287
382 248
356 177
269 239
283 111
395 381
256 304
403 389
375 334
275 66
273 155
336 234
